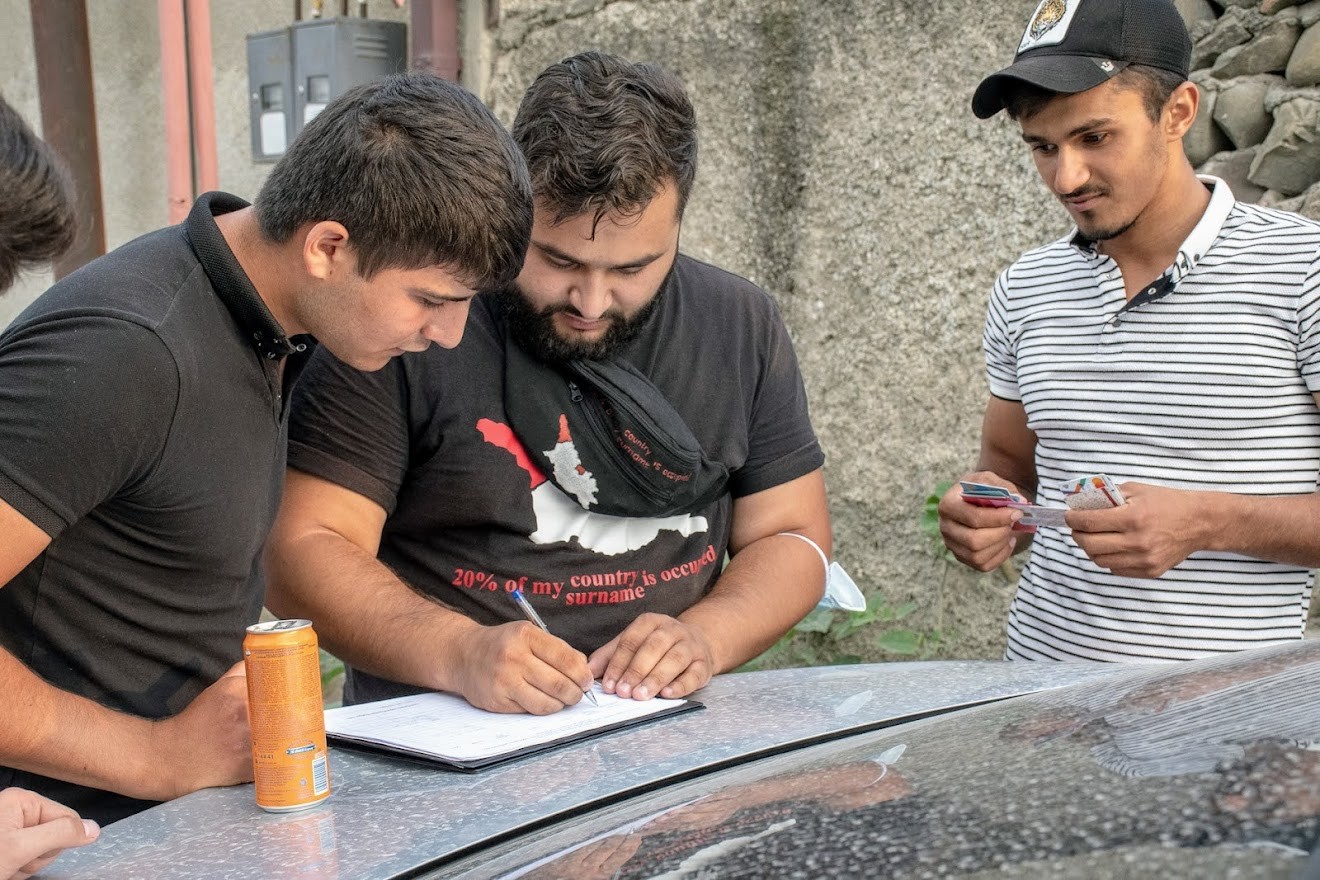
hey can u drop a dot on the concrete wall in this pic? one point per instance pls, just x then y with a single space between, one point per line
841 169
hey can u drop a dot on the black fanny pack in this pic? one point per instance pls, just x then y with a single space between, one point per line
607 437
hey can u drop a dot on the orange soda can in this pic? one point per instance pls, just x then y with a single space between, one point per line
286 715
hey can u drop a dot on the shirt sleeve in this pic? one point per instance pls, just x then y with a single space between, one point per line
1308 329
350 427
1000 356
782 444
86 404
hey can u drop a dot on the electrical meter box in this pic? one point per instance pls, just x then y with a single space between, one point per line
322 58
270 87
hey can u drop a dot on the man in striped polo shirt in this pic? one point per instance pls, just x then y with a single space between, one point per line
1170 340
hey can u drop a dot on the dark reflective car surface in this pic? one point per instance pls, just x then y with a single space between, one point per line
1204 769
391 818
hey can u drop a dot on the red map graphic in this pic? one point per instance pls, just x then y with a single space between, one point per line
503 437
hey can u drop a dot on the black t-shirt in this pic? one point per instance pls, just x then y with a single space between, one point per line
142 427
470 516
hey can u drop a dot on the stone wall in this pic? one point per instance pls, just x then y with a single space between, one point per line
1257 65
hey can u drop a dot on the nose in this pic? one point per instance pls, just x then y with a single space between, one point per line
1070 171
445 329
590 295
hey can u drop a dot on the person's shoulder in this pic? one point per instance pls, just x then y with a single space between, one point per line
139 282
1046 259
712 283
1248 218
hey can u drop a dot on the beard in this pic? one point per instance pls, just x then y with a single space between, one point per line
1104 233
535 331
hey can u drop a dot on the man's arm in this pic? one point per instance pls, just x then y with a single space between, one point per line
321 564
54 733
983 537
1159 527
771 582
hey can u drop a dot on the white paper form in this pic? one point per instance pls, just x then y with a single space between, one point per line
446 728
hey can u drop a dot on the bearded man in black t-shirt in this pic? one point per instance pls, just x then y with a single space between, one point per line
614 423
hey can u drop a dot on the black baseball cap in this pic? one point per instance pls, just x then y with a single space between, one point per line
1074 45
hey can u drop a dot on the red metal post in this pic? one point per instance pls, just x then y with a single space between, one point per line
178 126
435 37
201 87
68 116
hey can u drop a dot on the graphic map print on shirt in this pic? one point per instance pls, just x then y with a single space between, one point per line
559 518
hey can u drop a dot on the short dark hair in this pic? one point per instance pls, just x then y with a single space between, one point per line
1022 99
37 219
418 171
603 134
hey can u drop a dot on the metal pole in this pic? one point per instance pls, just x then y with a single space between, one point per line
201 89
68 116
178 126
435 37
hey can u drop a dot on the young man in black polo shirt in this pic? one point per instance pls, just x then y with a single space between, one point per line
143 424
37 224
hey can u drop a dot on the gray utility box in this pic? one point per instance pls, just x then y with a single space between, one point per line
295 71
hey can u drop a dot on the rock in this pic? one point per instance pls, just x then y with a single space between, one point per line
1269 7
1195 11
1289 158
1267 52
1304 65
1204 139
1239 109
1308 204
1230 30
1283 93
1309 13
1232 168
1275 199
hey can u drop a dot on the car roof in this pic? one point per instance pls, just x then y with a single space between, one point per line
1204 769
389 817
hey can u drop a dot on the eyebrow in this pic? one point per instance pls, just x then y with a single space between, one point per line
1088 125
443 297
569 258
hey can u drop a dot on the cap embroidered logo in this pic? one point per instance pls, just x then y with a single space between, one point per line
1049 25
1048 14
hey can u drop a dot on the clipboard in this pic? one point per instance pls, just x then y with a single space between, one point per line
445 729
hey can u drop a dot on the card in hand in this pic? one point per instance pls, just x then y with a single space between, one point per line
1096 492
1033 515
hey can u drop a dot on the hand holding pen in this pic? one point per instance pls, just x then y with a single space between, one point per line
530 613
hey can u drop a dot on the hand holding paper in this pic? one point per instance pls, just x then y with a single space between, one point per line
1155 529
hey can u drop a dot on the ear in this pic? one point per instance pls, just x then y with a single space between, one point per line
325 249
1180 110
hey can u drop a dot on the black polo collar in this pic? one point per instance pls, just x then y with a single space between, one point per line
230 281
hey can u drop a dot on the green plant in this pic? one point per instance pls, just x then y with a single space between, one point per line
819 638
930 527
930 521
332 669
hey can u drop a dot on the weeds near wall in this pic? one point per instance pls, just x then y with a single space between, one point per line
819 638
332 673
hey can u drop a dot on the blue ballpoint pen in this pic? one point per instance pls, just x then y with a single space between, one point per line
530 613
